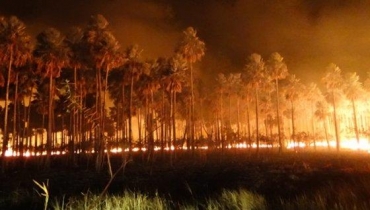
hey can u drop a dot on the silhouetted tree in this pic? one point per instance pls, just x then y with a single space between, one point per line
277 70
15 51
51 55
192 49
333 82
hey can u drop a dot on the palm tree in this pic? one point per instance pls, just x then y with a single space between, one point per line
51 55
102 56
322 113
133 69
277 70
73 41
255 76
233 81
313 95
221 83
15 51
173 79
292 93
26 85
354 91
333 82
192 49
149 83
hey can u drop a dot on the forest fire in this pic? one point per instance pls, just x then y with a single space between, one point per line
131 104
346 144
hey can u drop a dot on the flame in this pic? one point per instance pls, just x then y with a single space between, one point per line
351 144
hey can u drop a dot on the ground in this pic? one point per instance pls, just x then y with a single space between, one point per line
273 175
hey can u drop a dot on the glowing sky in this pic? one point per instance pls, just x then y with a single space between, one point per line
309 34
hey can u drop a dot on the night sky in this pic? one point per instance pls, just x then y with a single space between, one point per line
309 34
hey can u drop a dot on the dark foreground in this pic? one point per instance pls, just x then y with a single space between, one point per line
274 176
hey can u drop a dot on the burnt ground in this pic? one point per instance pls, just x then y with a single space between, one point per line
192 178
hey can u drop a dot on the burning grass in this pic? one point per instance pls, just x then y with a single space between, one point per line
210 180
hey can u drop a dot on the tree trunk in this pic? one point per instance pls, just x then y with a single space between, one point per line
248 126
222 124
5 130
174 120
15 109
313 126
192 131
130 115
50 122
257 124
355 123
238 118
336 124
278 115
293 126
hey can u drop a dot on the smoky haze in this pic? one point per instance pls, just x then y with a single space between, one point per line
309 34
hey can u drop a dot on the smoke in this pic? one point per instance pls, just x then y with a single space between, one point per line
309 34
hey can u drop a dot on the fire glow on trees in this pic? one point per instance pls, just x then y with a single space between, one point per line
168 112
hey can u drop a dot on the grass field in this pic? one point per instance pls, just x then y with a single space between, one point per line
235 180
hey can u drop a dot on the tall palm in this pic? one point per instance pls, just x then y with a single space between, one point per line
234 81
254 75
149 83
333 82
118 82
313 95
293 91
51 55
134 67
15 51
173 79
221 86
354 91
102 56
192 49
322 113
26 85
73 41
277 70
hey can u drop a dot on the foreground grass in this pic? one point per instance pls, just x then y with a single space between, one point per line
234 180
227 199
241 199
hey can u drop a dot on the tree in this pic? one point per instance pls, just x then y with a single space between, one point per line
76 56
15 51
51 55
277 70
173 79
149 83
134 67
313 95
292 92
192 49
322 113
221 86
255 76
333 82
102 55
233 87
354 91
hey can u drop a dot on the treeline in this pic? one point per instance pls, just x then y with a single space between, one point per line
66 83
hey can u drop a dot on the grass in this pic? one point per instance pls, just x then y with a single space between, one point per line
241 199
227 199
238 180
129 200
